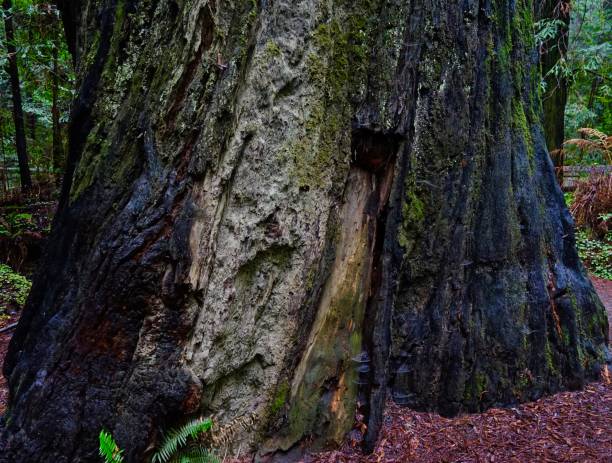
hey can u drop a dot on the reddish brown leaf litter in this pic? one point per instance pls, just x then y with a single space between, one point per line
566 427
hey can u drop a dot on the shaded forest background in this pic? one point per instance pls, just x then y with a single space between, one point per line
47 87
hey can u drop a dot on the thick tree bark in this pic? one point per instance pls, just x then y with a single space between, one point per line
282 210
554 98
13 72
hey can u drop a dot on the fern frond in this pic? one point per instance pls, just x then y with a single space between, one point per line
195 454
594 133
223 436
593 141
592 199
109 449
584 144
177 438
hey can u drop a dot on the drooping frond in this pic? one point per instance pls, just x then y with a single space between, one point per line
177 438
593 140
592 200
584 144
594 133
226 434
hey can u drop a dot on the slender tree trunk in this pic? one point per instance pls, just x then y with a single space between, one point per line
554 98
283 210
31 117
58 149
5 176
13 72
597 81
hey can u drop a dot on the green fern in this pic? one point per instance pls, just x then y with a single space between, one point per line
177 438
196 454
109 448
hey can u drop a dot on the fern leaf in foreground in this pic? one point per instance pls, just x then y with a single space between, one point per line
109 449
177 438
196 454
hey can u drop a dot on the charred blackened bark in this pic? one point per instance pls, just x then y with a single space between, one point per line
493 305
280 210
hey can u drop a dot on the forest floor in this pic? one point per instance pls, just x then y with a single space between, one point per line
566 427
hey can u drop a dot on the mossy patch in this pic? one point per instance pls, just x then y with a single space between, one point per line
282 393
521 125
550 361
475 389
326 138
413 215
96 148
277 256
336 67
272 49
481 384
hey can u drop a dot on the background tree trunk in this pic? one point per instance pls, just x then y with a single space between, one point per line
554 97
57 158
13 72
275 209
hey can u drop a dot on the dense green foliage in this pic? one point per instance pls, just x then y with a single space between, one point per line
595 253
14 289
45 69
14 224
589 67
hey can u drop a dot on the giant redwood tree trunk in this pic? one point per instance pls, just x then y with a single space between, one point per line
283 210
